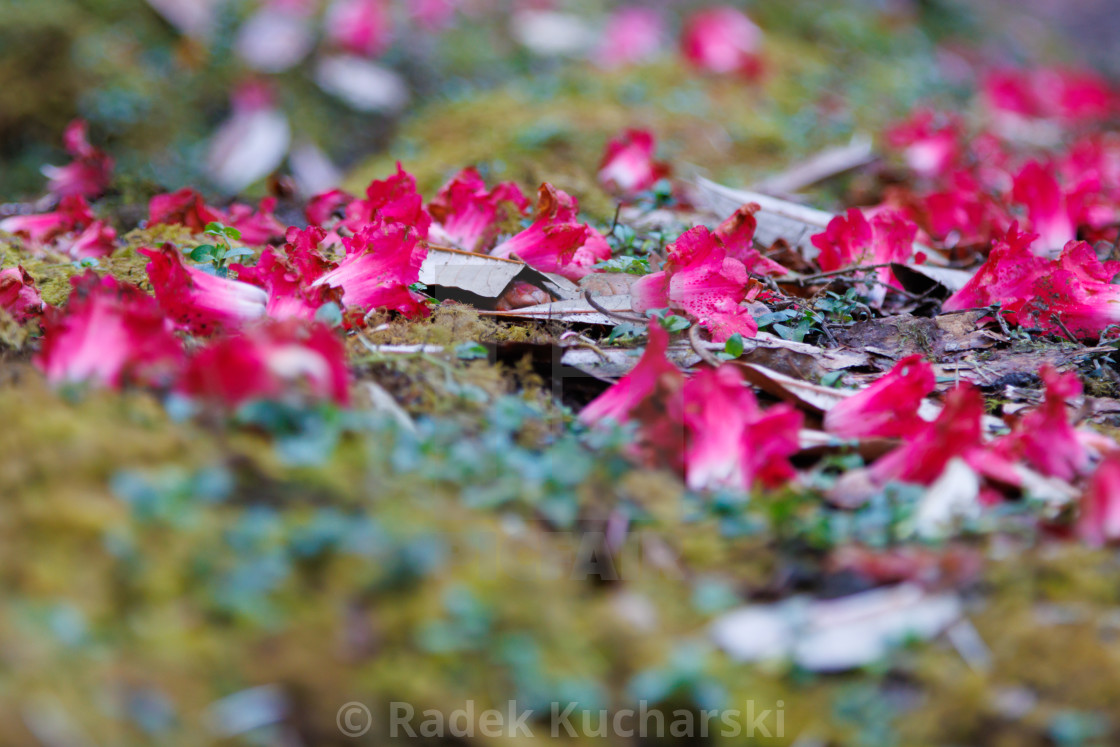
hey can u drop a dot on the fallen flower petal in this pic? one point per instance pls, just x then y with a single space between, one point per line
183 208
18 294
381 262
468 216
889 407
108 333
195 299
257 227
1037 189
955 433
1075 288
701 280
1099 521
651 395
1044 437
287 275
98 240
628 166
391 199
722 40
737 234
731 442
555 241
270 360
73 213
88 174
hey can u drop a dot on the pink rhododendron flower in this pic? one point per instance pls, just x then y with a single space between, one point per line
963 209
99 239
633 34
381 262
324 207
363 27
18 294
652 396
288 274
392 199
555 241
889 407
109 333
1077 287
88 174
256 227
703 282
737 234
722 40
195 299
628 166
270 360
183 208
1037 189
1099 522
1044 437
956 433
929 143
468 215
853 240
731 442
1070 95
73 214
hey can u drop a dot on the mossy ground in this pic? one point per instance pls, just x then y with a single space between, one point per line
153 565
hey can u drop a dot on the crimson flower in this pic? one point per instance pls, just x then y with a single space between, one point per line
1038 189
88 174
930 143
652 396
73 214
730 441
956 433
183 208
381 262
1099 521
627 165
853 240
555 241
18 294
323 207
722 40
99 239
1076 287
198 301
271 359
468 216
737 234
703 282
889 407
1044 436
391 199
287 275
108 333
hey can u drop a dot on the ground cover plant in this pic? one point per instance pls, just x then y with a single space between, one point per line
679 374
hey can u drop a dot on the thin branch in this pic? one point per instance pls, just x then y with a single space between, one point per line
821 275
698 347
1058 318
615 314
